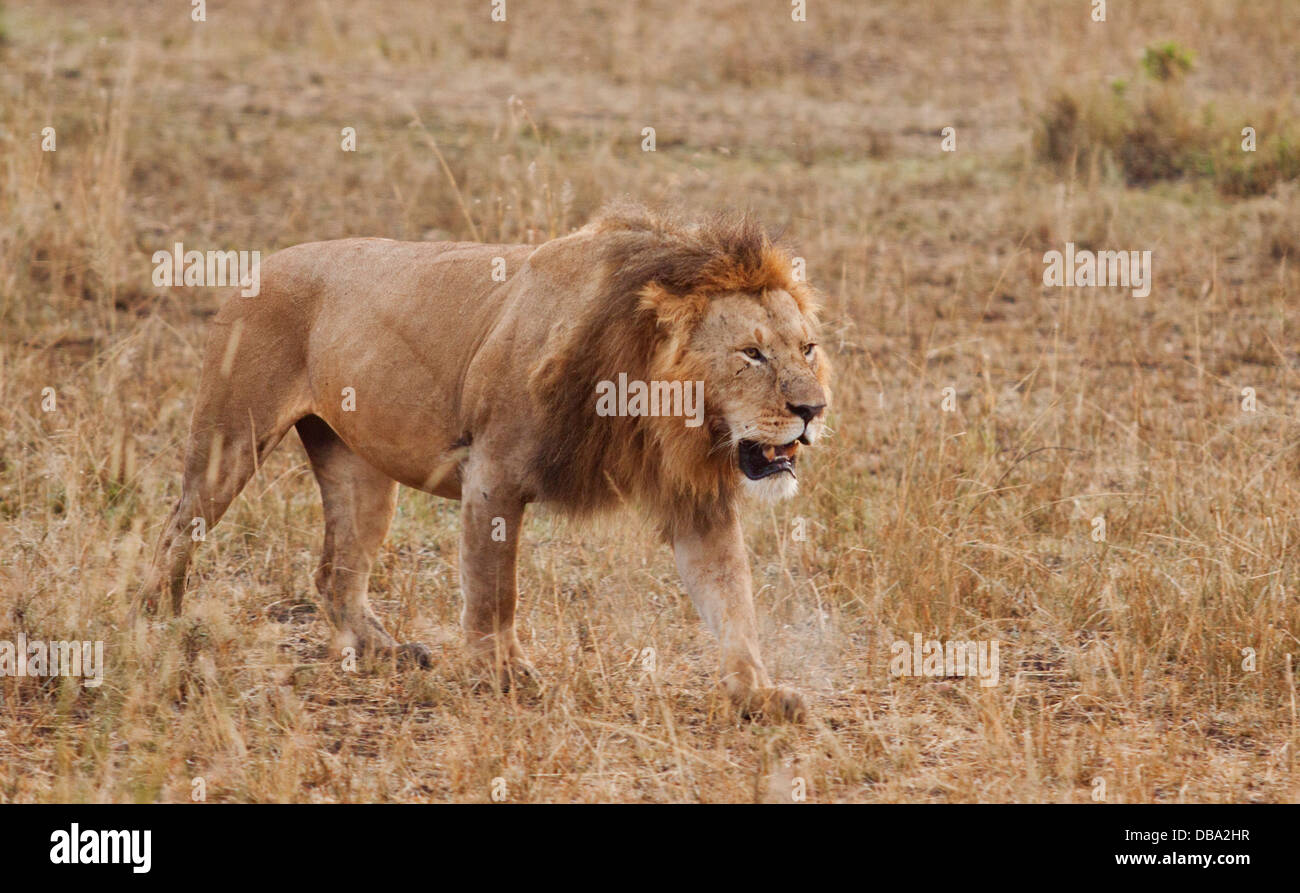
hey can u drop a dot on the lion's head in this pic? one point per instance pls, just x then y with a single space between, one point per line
679 301
766 383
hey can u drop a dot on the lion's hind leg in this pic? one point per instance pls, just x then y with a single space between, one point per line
358 501
242 412
219 463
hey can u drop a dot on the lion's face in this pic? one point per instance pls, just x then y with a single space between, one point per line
767 383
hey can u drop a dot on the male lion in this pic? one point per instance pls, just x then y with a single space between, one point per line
485 391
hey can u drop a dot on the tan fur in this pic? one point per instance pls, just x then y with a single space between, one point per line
484 391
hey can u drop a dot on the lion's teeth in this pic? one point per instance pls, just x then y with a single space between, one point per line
769 453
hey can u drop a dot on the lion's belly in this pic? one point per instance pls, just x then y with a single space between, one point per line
421 457
399 417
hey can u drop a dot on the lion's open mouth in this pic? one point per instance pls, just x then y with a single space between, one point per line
760 460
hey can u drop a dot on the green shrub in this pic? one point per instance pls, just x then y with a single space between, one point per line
1167 61
1149 129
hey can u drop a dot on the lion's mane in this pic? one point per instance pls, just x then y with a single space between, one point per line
656 274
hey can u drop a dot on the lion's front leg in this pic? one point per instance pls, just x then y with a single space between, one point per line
491 515
716 574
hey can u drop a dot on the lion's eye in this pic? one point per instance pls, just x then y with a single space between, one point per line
808 350
754 353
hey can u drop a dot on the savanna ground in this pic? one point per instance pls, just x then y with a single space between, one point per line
1122 662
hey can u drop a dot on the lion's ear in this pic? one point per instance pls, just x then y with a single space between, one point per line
673 311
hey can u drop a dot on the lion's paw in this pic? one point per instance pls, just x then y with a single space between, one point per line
414 654
516 675
775 704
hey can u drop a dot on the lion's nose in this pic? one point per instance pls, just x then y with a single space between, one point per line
806 411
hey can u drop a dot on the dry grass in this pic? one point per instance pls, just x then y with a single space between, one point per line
1121 659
